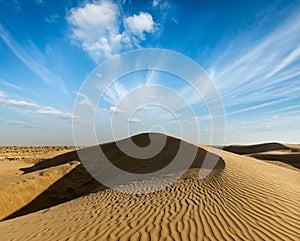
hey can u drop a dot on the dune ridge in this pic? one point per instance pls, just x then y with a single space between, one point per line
263 147
283 155
246 199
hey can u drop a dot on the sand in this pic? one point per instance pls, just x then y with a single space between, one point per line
283 155
32 154
243 199
11 168
13 158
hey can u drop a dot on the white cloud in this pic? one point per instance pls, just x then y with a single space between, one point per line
18 103
115 109
155 3
85 100
97 28
34 108
140 24
134 121
48 110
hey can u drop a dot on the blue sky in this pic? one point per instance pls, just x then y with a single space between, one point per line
250 50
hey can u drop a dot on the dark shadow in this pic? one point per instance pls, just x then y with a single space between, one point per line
55 161
292 159
75 184
250 149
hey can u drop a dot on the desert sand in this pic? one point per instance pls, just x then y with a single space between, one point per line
284 155
14 158
243 198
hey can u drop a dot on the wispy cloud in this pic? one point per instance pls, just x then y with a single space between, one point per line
17 123
9 84
51 111
255 107
18 103
135 121
85 100
52 18
260 71
31 57
268 128
291 107
39 1
31 107
115 93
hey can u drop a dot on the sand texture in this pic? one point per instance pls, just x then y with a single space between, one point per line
242 199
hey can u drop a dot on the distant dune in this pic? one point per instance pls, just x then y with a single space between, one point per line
242 199
264 147
284 155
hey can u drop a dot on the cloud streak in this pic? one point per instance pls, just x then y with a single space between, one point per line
17 123
51 111
263 71
33 62
11 85
17 103
34 108
85 100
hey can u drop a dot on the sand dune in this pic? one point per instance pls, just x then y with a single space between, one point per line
264 147
243 199
284 155
63 177
291 160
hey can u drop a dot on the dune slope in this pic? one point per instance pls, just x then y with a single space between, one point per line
284 155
